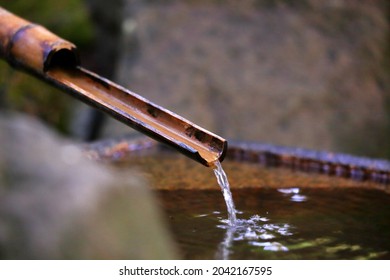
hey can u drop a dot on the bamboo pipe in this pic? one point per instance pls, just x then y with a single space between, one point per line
34 49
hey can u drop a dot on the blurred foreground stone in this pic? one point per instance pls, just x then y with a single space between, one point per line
55 204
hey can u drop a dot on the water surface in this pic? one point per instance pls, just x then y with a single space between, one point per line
284 223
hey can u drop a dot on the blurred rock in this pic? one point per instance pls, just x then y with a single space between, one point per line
55 203
299 73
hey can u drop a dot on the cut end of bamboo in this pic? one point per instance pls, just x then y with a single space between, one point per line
35 49
141 114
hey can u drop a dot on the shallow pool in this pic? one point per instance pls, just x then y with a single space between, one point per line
283 223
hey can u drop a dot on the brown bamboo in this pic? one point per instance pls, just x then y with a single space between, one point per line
35 49
30 46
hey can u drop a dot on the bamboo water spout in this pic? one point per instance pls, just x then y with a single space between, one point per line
32 48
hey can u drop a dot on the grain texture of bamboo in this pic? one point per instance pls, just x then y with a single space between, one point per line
34 49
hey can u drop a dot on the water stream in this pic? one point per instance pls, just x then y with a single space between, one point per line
227 195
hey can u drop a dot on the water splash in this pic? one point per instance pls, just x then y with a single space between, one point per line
252 230
225 188
257 231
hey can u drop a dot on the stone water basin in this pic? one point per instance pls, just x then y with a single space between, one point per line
291 203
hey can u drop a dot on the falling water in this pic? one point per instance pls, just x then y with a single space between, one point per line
245 229
225 187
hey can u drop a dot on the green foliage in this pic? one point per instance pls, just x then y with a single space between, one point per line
24 93
68 19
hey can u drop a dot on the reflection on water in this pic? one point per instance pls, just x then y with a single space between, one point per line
294 194
274 224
